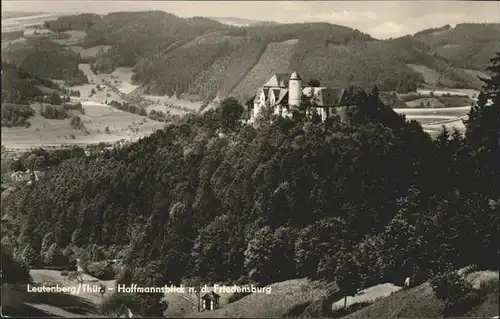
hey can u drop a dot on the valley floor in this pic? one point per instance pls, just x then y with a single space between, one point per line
45 132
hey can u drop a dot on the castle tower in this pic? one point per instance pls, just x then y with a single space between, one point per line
294 89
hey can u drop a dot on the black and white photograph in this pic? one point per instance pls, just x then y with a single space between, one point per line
250 159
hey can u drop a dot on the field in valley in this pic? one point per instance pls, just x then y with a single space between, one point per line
441 91
46 132
121 79
432 119
172 104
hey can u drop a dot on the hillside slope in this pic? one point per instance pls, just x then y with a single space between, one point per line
421 302
284 297
275 59
20 86
224 74
466 45
46 59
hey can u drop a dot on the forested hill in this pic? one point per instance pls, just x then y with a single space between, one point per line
213 199
202 58
20 87
467 45
45 59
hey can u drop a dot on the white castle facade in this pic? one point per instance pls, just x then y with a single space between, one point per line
283 92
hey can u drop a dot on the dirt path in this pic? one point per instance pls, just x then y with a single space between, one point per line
368 295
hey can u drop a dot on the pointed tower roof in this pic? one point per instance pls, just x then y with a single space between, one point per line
278 80
295 76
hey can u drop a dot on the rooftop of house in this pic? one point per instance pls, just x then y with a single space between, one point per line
278 80
278 85
324 96
210 296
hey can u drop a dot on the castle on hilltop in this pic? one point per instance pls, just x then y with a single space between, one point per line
283 92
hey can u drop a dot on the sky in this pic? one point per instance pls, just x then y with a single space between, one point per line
381 19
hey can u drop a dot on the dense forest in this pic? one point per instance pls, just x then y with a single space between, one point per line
81 22
46 59
171 55
467 45
16 115
20 86
214 200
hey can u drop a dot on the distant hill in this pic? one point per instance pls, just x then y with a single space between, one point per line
81 22
202 58
17 14
240 22
466 45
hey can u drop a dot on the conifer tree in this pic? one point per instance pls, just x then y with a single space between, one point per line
483 133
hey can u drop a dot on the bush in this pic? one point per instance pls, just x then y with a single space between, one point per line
76 122
139 110
457 293
117 304
55 257
341 312
101 270
31 257
462 305
53 112
298 309
74 107
13 270
449 285
237 296
16 115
